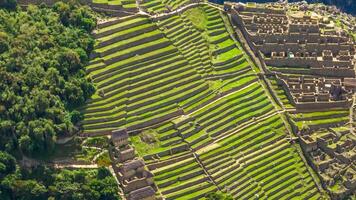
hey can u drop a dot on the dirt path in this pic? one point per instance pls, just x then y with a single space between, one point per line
64 140
74 166
204 169
98 155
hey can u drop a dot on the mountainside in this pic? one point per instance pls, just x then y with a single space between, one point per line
208 121
176 100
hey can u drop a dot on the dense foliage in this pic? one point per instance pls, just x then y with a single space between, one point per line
44 183
42 56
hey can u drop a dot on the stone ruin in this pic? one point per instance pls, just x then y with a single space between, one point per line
134 177
333 155
317 92
295 38
286 38
313 60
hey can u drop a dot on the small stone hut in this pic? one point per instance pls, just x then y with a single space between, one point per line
146 193
120 137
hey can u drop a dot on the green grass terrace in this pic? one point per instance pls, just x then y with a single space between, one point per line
257 163
322 119
140 76
113 4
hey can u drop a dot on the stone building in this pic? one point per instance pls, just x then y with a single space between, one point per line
294 39
120 137
333 155
133 175
315 92
350 84
135 179
146 193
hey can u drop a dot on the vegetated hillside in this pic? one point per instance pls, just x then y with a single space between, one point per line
214 126
43 54
45 183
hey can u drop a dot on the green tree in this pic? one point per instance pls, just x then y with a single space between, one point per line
43 52
4 43
76 116
7 164
103 173
29 190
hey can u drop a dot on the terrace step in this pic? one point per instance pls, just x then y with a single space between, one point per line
189 183
114 21
173 160
119 25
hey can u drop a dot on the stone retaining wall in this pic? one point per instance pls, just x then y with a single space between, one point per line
135 63
113 21
166 16
156 120
120 28
168 162
294 38
127 83
322 105
126 36
132 44
102 120
294 47
233 64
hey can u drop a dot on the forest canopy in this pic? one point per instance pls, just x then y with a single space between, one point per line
43 52
42 183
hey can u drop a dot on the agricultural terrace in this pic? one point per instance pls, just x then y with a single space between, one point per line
149 71
212 123
164 6
112 4
236 143
312 84
320 119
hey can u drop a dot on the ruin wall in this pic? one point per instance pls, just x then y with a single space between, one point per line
258 9
344 69
294 47
322 105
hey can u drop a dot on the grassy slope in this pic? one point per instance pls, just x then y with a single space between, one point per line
220 132
199 18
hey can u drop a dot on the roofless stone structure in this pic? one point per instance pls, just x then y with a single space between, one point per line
292 38
135 179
